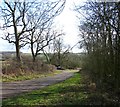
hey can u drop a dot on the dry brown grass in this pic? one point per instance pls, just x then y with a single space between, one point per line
26 66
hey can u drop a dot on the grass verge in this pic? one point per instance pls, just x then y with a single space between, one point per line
27 76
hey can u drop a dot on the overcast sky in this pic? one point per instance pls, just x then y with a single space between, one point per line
66 21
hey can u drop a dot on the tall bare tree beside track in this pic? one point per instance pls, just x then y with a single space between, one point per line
22 18
41 21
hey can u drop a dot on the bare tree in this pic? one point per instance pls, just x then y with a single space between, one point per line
15 24
41 22
60 52
40 41
21 18
49 51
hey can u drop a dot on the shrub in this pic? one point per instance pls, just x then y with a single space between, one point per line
11 66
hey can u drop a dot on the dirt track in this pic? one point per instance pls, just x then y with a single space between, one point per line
10 89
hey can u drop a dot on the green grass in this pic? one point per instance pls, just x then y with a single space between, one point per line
27 76
69 92
66 92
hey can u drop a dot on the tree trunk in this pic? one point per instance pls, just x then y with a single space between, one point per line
34 58
59 59
17 38
47 57
18 52
33 55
